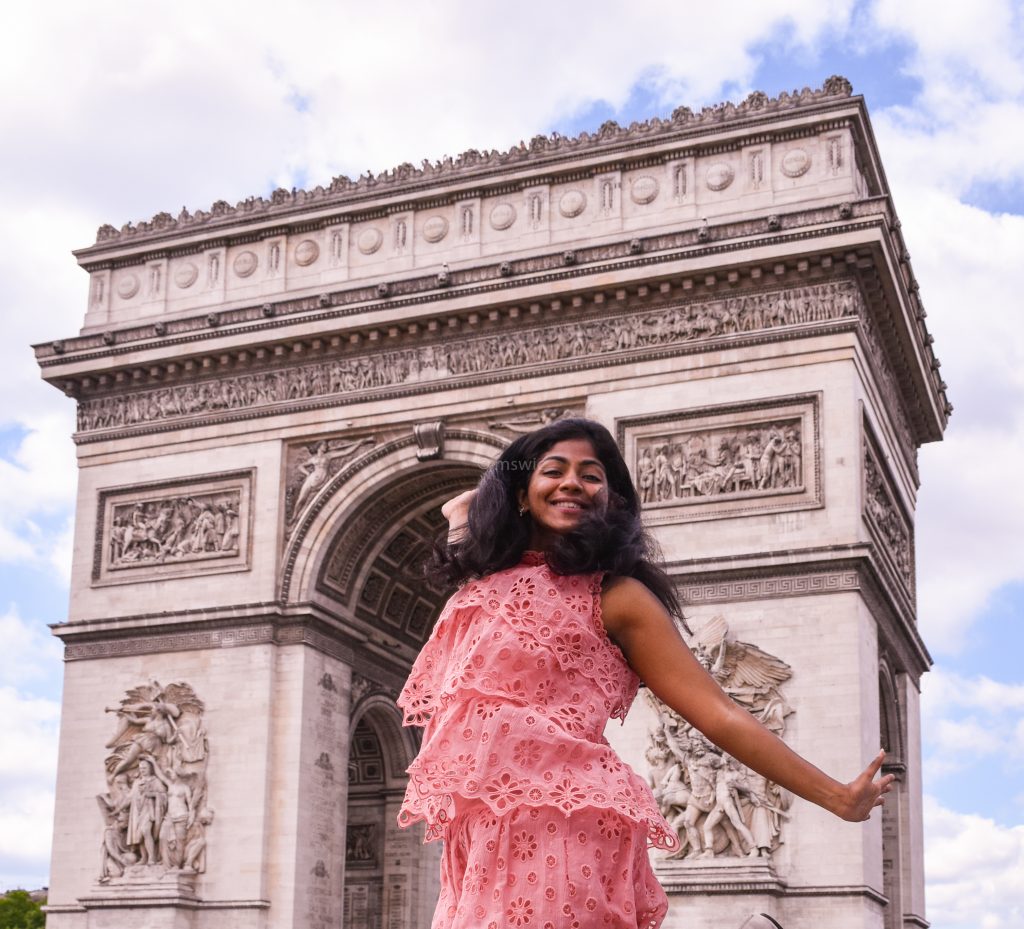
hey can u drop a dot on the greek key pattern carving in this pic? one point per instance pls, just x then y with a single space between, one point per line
173 529
884 515
589 342
760 588
175 642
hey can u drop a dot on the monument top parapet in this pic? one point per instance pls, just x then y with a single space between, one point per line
473 164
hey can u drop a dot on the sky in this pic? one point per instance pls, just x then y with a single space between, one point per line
115 111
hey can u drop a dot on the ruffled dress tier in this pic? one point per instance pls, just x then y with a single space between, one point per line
544 825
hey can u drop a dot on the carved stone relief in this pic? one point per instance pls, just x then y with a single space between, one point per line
720 460
173 528
155 809
884 514
583 340
718 807
309 467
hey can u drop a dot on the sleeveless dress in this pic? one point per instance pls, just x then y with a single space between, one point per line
544 825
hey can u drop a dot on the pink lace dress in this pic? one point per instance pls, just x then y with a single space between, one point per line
544 825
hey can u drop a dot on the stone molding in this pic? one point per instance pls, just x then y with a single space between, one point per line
616 338
173 528
719 461
475 164
492 278
823 571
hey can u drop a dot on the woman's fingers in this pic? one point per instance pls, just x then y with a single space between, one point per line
457 505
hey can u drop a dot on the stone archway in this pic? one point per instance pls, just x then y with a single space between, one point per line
357 558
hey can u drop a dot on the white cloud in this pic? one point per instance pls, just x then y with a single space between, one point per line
974 868
29 654
28 766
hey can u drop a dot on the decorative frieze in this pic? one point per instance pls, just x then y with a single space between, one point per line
173 529
587 342
155 809
719 808
726 460
884 514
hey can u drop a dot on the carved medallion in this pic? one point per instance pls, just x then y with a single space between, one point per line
155 809
572 203
721 809
644 189
435 229
128 286
795 163
306 252
245 263
186 275
502 216
719 176
369 240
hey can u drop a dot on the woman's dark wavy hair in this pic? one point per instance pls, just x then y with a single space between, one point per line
497 536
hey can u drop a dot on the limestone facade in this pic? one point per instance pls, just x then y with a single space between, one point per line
275 398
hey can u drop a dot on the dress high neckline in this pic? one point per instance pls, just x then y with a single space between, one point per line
533 557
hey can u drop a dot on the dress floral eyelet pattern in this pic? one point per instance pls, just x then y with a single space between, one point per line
514 689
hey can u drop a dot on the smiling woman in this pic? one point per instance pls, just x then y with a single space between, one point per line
561 612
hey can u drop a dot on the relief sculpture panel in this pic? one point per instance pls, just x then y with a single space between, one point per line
724 460
884 515
583 342
155 807
718 807
172 529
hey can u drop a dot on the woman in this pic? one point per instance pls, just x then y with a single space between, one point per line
562 612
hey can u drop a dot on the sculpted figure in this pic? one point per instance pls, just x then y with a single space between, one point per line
729 783
157 721
146 804
317 469
177 819
195 844
716 806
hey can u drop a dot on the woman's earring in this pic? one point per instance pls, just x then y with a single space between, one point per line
522 511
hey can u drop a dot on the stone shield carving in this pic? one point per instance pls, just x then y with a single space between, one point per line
718 807
155 808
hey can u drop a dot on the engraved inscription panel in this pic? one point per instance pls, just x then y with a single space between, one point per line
721 461
173 529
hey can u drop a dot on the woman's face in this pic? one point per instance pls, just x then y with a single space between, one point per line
568 481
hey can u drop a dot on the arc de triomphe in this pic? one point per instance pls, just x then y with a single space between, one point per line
274 398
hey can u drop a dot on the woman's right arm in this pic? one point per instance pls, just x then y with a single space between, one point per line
456 511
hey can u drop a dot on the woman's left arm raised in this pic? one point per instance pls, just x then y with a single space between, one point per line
639 624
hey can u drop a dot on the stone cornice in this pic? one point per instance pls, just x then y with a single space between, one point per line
474 168
855 568
909 351
496 279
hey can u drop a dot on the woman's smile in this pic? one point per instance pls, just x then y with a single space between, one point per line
568 480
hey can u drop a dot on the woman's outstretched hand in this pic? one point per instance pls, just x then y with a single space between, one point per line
864 793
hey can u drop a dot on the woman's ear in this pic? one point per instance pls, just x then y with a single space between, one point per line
521 497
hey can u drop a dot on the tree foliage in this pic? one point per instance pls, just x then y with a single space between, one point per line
19 911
